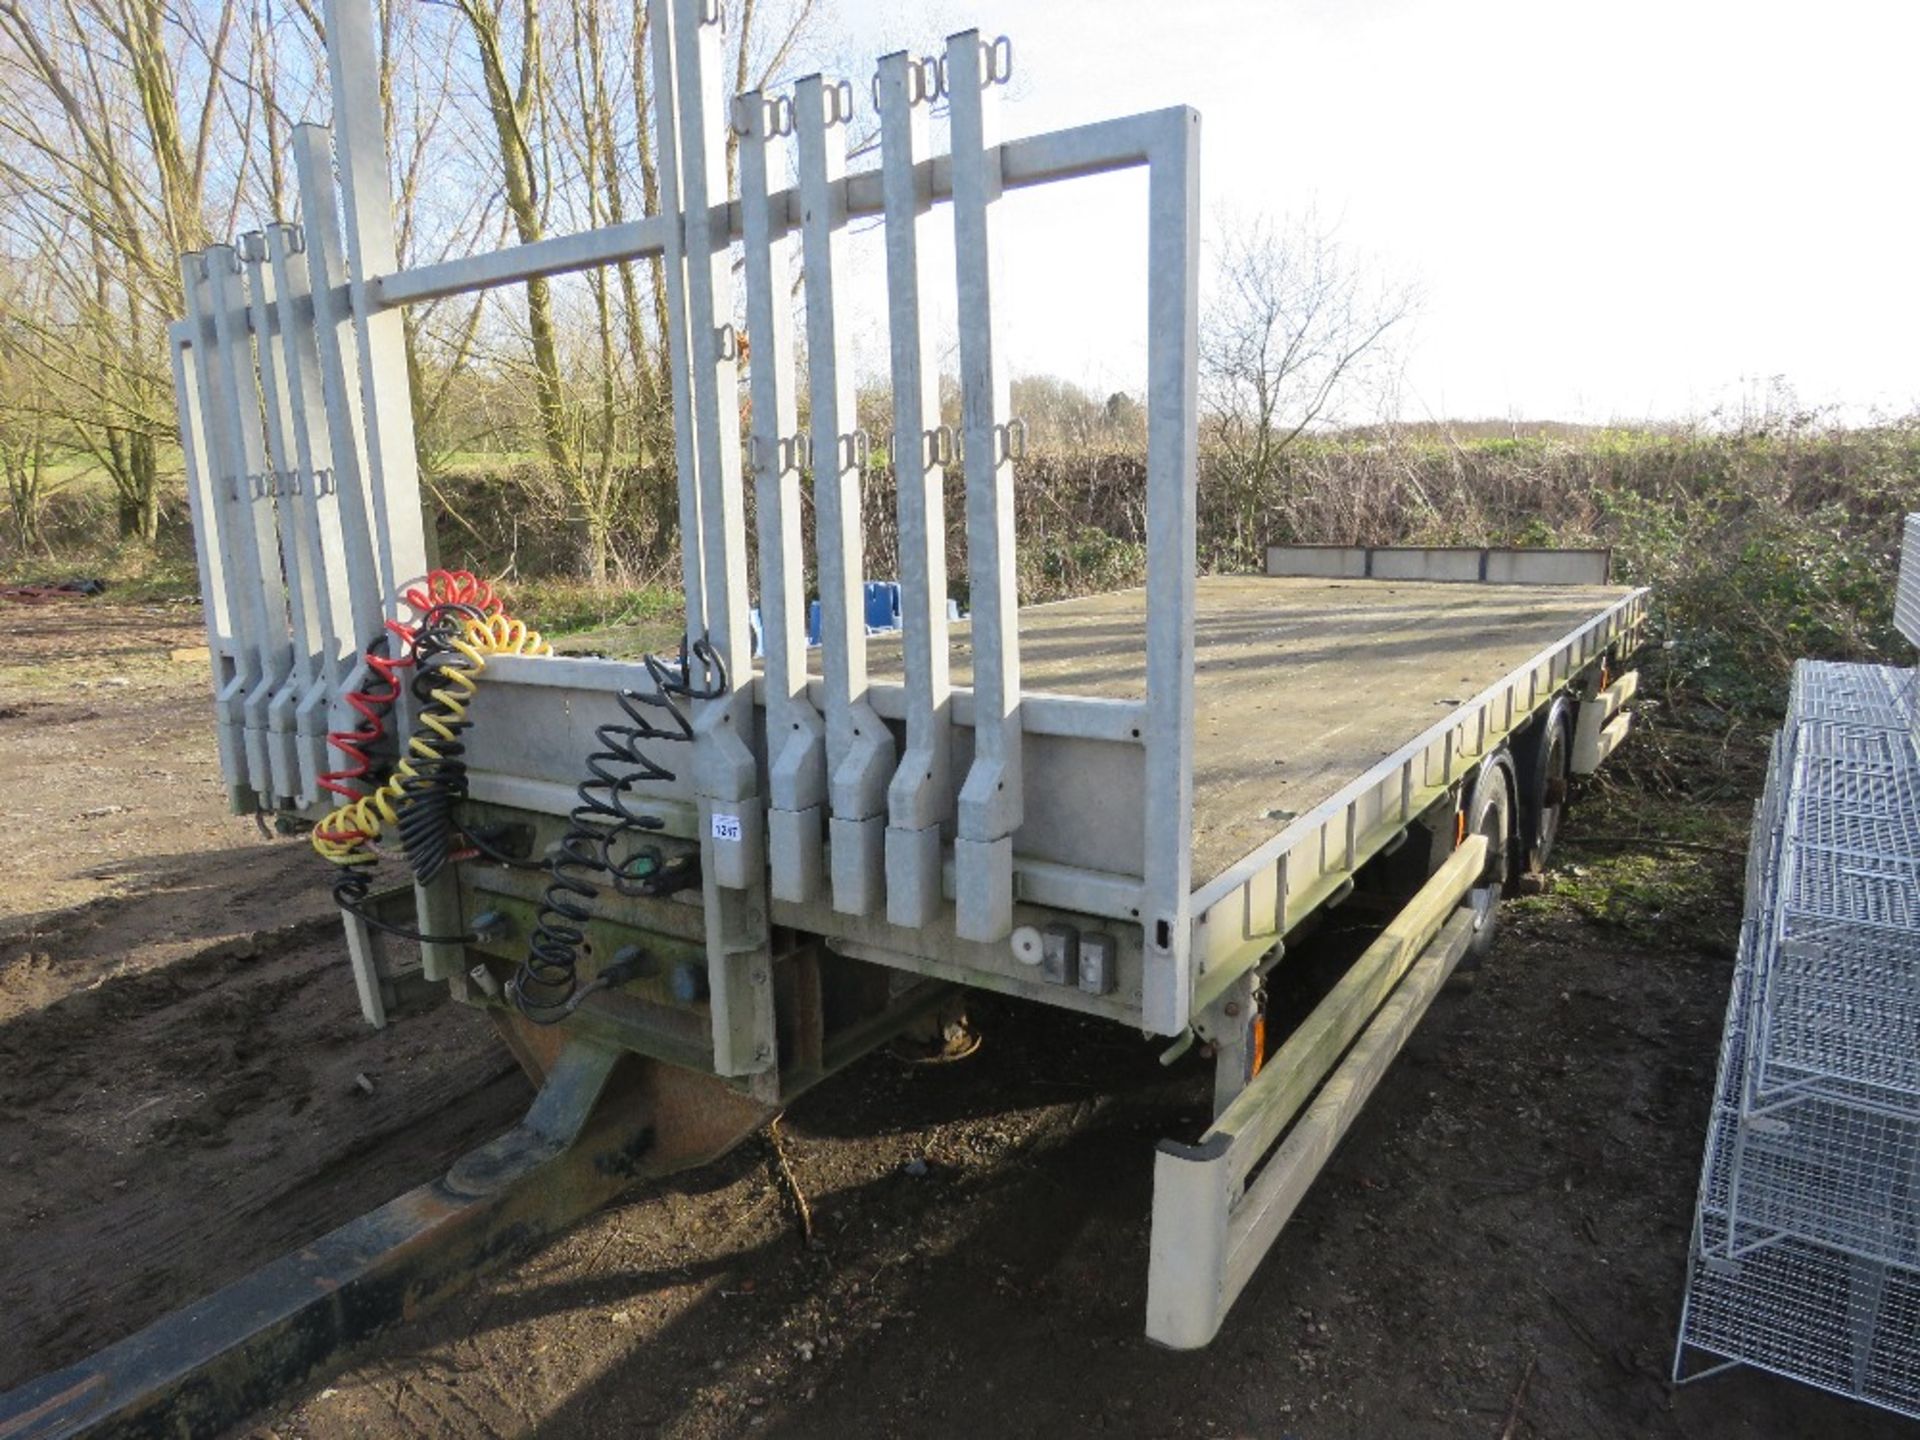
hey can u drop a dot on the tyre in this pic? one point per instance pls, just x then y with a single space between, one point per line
1544 761
1489 812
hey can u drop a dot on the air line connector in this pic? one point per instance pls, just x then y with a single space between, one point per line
630 962
490 927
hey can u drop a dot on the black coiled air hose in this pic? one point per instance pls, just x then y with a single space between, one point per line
425 805
601 826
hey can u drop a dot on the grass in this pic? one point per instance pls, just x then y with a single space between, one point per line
1662 835
582 619
35 679
135 573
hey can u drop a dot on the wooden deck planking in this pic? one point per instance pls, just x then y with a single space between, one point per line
1300 684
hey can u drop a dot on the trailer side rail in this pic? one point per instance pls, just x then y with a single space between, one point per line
1240 914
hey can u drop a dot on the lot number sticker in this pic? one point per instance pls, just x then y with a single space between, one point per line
726 827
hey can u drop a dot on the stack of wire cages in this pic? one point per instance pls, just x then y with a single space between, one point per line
1806 1244
1906 619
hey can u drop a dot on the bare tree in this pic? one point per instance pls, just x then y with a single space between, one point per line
26 438
104 144
1295 330
131 134
135 130
572 126
516 91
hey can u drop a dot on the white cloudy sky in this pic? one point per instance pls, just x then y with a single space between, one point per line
1637 209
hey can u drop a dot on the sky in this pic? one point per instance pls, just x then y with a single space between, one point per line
1624 211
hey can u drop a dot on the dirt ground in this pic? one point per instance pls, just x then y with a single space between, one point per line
179 1044
1496 1251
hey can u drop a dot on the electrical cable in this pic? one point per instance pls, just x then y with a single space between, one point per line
450 644
373 701
438 781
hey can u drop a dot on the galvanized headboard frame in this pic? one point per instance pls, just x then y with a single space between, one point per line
297 427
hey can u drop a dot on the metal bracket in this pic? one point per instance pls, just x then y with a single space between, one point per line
1219 1021
925 81
996 67
776 116
1010 441
854 450
790 452
996 61
927 76
839 102
936 447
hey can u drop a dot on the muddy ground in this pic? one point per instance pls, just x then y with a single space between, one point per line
1496 1251
179 1060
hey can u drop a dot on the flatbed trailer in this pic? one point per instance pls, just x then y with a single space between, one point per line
1328 714
685 888
1336 717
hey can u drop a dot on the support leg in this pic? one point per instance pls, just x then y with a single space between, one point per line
1235 1026
366 955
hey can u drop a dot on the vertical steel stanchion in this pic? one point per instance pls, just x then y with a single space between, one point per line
991 802
860 749
919 799
796 735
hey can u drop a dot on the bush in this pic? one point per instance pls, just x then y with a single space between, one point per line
1763 544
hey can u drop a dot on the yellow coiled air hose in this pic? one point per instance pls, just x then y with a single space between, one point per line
417 798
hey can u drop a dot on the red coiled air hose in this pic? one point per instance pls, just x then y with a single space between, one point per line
374 699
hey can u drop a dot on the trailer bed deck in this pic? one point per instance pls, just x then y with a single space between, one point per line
1300 684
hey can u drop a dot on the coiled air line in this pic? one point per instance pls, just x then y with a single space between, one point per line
450 646
601 830
460 625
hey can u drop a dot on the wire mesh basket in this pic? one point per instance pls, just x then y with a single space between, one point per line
1811 1313
1806 1241
1839 990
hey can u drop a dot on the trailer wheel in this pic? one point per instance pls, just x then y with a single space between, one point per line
1545 756
1489 812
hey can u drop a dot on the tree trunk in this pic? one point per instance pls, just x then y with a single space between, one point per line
145 467
596 534
511 110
